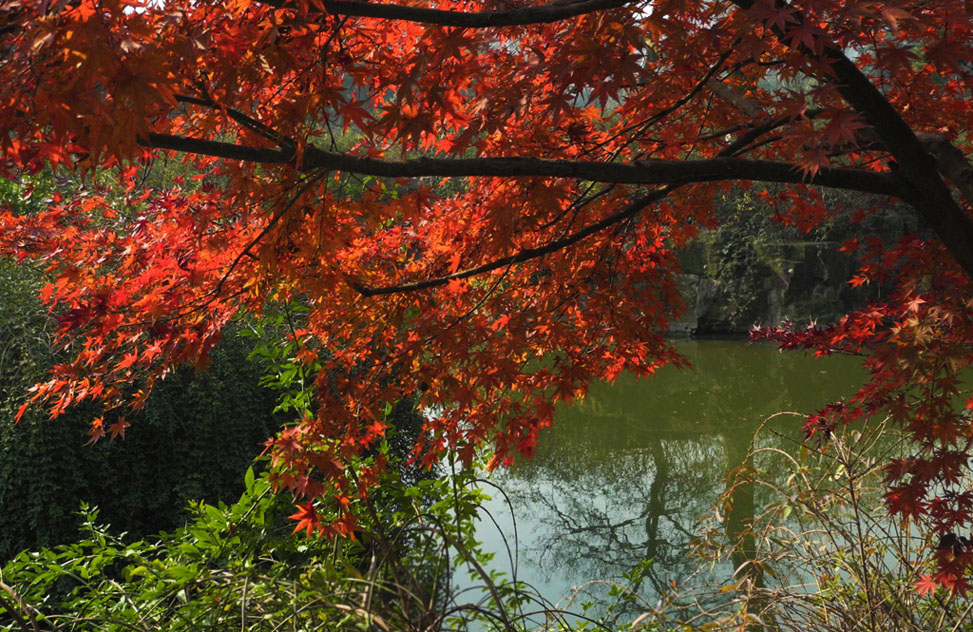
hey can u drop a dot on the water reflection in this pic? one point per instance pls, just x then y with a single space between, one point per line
628 474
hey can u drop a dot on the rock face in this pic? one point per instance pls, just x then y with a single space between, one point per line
751 268
728 290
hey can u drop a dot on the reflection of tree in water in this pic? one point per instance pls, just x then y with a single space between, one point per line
641 505
628 474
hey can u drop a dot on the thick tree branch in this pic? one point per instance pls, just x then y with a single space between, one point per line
748 106
541 14
918 171
952 163
928 193
647 172
670 174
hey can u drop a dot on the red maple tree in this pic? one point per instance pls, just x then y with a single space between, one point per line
481 200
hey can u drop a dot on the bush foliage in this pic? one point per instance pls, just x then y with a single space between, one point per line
240 567
197 433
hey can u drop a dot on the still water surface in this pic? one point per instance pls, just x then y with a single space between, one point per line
627 474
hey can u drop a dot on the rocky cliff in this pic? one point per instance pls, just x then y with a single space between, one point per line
778 281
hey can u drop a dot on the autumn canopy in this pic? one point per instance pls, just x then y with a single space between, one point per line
480 201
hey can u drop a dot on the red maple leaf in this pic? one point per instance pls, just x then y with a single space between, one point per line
926 585
307 519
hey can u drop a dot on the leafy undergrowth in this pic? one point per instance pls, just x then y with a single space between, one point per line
245 567
820 554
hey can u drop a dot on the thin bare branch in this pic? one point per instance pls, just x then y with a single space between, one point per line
630 210
242 119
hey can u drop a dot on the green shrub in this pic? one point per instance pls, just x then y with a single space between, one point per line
192 440
240 567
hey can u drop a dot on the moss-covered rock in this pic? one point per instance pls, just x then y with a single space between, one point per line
752 271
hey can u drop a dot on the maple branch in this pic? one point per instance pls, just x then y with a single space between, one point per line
541 14
744 141
748 106
274 220
952 163
628 211
219 149
918 172
242 119
644 172
684 100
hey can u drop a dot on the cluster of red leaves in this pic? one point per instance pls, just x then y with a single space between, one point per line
500 287
132 289
916 347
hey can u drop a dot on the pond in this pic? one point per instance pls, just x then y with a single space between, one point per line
628 474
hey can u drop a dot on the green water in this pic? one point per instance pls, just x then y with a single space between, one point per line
627 474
